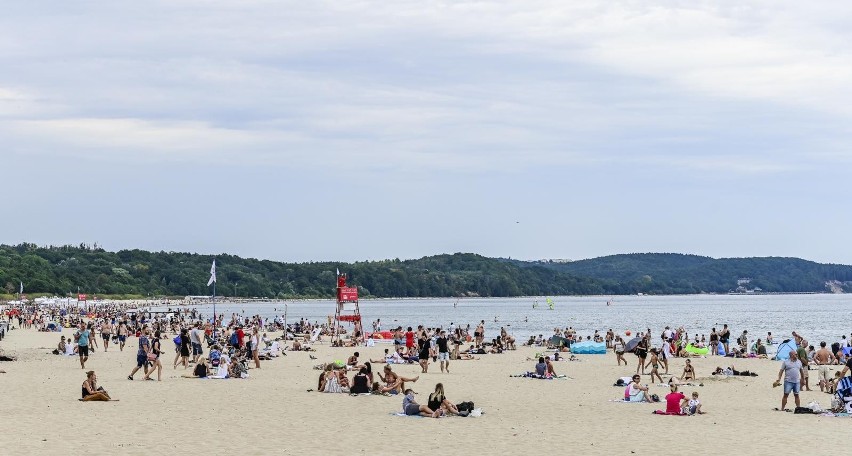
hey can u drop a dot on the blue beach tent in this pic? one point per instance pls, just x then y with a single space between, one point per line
784 350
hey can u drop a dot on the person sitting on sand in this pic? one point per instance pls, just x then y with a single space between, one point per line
200 370
675 402
693 407
437 400
411 408
541 367
352 362
360 383
91 391
550 371
237 369
60 349
395 383
688 371
637 392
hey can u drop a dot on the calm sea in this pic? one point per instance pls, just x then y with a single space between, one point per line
817 317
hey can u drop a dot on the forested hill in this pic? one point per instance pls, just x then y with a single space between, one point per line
67 269
671 273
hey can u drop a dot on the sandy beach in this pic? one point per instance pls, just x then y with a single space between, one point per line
272 412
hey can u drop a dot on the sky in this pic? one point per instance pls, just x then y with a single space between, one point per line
366 130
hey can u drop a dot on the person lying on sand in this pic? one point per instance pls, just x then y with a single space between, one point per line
731 371
91 391
411 408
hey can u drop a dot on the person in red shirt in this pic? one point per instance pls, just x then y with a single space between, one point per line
675 400
409 338
240 336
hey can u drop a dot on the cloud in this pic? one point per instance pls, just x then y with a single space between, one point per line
464 86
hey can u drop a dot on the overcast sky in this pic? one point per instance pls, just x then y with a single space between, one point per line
356 130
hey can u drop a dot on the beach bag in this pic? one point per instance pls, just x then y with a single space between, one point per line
152 357
465 406
176 340
234 340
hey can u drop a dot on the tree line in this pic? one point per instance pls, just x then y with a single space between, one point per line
64 270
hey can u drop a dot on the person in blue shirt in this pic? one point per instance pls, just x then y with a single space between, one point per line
83 336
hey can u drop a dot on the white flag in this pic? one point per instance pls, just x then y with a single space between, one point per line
338 272
22 288
212 274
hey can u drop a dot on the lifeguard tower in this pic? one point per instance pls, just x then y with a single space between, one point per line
347 309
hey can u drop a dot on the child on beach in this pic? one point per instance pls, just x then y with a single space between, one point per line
654 362
693 407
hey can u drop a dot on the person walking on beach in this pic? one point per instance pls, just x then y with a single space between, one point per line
791 369
155 362
443 351
83 336
142 354
122 334
618 347
106 333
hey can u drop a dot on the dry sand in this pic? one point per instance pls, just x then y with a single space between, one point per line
272 413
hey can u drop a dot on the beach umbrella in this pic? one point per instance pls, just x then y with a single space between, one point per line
631 344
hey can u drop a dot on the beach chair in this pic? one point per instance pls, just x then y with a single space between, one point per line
315 335
844 393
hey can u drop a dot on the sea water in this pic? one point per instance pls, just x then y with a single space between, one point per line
817 317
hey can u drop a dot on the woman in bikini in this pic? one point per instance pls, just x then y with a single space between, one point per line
688 371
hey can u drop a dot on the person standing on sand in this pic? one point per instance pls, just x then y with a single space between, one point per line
195 338
83 336
792 371
714 342
823 358
423 355
106 333
724 337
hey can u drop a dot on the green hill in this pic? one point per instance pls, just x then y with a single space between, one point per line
66 269
670 273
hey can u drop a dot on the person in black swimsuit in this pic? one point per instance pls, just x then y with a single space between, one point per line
360 383
642 353
91 391
423 345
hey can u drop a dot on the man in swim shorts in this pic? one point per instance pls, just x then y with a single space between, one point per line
823 358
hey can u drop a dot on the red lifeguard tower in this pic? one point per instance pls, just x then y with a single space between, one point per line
347 309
